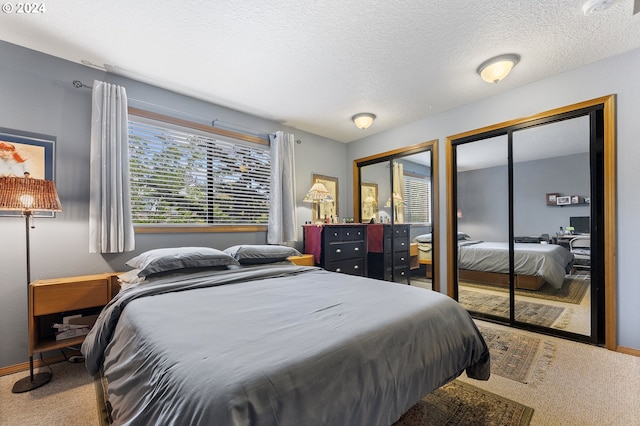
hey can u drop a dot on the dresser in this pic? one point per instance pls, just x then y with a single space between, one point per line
388 252
338 248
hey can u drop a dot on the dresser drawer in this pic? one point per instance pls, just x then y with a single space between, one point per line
401 258
401 275
401 231
353 233
345 250
68 296
401 244
350 266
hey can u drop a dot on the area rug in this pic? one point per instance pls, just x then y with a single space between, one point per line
573 289
459 403
527 312
517 356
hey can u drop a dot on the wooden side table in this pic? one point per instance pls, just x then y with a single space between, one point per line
50 299
302 260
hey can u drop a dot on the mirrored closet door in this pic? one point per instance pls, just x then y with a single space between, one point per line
532 209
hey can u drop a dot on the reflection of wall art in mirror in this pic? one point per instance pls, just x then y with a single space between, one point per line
327 209
552 198
369 197
563 201
22 152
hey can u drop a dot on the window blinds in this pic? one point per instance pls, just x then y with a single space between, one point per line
186 176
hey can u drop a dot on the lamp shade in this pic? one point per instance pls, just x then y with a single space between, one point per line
363 120
317 194
27 194
496 69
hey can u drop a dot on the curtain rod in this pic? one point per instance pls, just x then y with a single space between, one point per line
80 85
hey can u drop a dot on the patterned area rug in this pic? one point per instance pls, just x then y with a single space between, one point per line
527 312
573 289
517 356
459 403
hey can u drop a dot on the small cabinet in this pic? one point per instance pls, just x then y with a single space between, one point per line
50 300
388 252
338 248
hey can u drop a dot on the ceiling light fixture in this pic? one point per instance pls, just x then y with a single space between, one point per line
594 6
363 120
496 69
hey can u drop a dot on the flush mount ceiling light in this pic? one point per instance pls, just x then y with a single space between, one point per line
363 120
594 6
496 69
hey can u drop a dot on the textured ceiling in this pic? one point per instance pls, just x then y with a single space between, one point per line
311 65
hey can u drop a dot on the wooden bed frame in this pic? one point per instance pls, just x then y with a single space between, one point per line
525 282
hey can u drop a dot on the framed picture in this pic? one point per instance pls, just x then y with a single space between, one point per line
552 199
25 152
327 209
369 199
563 201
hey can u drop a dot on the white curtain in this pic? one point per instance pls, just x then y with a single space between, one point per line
398 191
282 210
110 223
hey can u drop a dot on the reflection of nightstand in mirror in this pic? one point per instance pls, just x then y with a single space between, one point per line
414 256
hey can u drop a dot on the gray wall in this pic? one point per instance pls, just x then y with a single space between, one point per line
37 96
482 197
588 82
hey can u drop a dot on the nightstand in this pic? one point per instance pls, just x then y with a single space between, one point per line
302 260
51 299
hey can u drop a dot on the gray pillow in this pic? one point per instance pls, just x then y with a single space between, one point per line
424 238
253 254
167 259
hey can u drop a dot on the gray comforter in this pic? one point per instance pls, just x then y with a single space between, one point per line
278 345
550 261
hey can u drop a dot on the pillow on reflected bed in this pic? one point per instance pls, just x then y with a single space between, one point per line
168 259
254 254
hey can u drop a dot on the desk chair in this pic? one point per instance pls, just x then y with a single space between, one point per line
580 246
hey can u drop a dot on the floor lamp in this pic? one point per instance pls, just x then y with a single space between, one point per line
26 195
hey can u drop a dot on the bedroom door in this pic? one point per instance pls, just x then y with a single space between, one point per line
531 204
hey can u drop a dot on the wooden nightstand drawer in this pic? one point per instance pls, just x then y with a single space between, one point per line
53 297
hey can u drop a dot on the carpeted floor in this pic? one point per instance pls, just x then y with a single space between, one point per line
573 289
527 312
459 403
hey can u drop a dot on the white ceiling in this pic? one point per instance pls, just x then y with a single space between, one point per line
311 65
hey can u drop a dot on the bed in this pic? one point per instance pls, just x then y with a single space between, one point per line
488 262
277 343
535 264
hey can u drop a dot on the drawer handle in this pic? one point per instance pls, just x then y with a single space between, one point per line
338 250
357 249
402 244
402 259
338 270
402 273
348 233
335 234
355 267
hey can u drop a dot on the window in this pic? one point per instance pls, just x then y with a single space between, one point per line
417 199
188 176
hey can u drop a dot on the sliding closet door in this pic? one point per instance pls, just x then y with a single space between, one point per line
551 216
482 206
